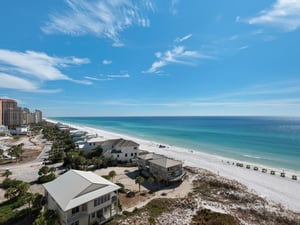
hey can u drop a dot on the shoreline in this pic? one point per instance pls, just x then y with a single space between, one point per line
273 187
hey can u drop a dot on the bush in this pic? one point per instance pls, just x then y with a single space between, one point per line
206 216
46 178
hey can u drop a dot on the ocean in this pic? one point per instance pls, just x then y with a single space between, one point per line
270 141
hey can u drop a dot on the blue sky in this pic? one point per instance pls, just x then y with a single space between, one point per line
151 57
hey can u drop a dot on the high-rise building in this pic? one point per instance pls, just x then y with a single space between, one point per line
9 113
38 116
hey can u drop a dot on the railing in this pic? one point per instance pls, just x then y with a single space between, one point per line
77 216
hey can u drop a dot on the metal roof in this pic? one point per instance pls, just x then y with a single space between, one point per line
150 156
118 143
165 162
76 187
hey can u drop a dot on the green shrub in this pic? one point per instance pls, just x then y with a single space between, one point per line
46 178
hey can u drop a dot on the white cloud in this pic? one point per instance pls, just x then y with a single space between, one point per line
244 47
106 62
108 77
284 14
12 82
30 69
102 18
234 37
126 75
177 55
174 6
183 38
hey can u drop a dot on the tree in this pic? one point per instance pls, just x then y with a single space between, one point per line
112 174
97 161
10 193
7 173
22 188
139 180
16 188
44 170
158 179
150 180
52 169
46 174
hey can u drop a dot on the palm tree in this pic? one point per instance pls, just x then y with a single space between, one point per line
139 180
10 193
112 174
150 180
158 179
52 169
44 170
22 188
20 150
7 173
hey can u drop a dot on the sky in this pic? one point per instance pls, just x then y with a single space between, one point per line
151 57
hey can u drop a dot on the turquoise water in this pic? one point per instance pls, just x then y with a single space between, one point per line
264 140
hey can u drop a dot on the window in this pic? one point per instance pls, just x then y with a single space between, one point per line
131 154
93 215
75 223
135 148
101 200
125 154
84 207
135 154
118 156
75 210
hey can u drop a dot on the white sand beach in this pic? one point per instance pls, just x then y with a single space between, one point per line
281 190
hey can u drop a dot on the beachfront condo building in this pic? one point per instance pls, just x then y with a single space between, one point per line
169 170
12 116
9 113
82 198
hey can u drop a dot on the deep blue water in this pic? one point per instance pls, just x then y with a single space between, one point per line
265 140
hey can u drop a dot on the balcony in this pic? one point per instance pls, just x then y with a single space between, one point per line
77 216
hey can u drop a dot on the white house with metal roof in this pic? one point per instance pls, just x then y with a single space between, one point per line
82 198
120 149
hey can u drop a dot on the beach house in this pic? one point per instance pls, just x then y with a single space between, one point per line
82 198
120 149
90 143
155 165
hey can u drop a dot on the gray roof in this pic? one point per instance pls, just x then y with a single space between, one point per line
76 187
118 143
166 162
150 156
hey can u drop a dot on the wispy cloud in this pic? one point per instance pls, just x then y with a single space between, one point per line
186 37
243 47
177 55
234 37
102 18
126 75
12 82
284 14
28 70
106 62
174 6
108 77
